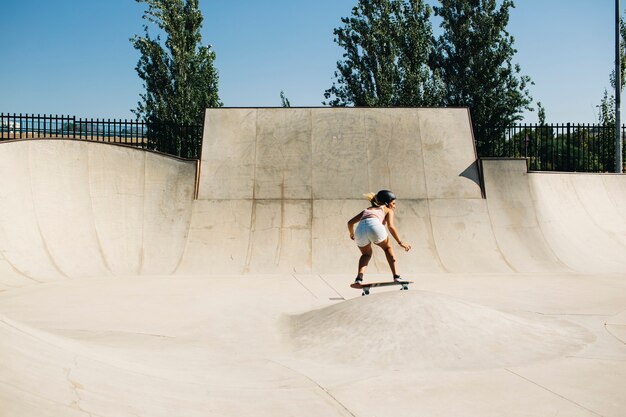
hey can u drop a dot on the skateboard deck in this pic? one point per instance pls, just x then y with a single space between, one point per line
365 286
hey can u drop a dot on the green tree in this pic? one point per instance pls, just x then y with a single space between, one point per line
387 44
606 109
622 48
179 78
284 100
474 57
541 113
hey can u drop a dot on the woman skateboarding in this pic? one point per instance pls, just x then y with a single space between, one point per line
371 229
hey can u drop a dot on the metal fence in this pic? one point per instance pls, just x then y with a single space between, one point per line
554 147
179 140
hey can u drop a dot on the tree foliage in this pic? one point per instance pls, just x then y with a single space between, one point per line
179 77
387 44
556 147
284 100
606 109
474 59
391 58
541 113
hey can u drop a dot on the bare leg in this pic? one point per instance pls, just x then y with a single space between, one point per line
390 255
366 255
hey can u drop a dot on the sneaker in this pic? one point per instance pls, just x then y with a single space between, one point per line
358 280
397 278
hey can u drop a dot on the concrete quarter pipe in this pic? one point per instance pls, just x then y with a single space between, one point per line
123 295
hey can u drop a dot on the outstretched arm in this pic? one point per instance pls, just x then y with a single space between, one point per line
352 222
394 232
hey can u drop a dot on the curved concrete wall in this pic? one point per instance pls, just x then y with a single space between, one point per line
284 182
73 209
276 189
583 220
557 222
278 185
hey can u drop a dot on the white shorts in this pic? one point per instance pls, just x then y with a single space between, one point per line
369 231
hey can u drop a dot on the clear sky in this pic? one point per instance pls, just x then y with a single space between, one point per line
74 57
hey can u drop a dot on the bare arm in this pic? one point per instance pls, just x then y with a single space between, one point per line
352 222
394 232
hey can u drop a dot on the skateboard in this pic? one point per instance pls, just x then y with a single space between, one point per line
367 285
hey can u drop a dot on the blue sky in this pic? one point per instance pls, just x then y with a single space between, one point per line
74 57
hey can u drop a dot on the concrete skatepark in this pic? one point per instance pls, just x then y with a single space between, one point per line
137 284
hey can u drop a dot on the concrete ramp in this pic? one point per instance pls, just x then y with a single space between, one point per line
514 219
284 182
557 222
506 339
278 185
137 299
275 190
73 209
583 220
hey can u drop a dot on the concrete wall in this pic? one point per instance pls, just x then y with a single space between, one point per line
275 190
277 187
71 209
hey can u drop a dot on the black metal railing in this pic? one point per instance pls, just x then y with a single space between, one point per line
553 147
179 140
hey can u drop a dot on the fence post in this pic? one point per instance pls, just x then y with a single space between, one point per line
568 138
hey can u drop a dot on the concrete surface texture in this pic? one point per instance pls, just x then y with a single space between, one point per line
122 295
